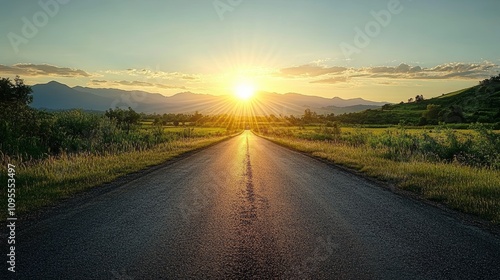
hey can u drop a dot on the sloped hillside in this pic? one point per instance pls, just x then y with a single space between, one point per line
476 104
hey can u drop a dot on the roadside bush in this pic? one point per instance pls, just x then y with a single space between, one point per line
480 148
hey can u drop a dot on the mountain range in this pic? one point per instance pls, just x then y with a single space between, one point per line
57 96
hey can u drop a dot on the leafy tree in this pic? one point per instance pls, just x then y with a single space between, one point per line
14 100
309 116
330 117
386 107
432 113
196 117
14 94
124 118
18 122
453 114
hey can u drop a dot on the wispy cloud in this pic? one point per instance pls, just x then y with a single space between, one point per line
152 74
136 84
33 70
333 80
310 71
463 71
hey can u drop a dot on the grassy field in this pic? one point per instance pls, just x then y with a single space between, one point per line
44 182
470 188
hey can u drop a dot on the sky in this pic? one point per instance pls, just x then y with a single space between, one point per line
380 50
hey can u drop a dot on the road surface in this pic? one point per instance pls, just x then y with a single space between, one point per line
249 209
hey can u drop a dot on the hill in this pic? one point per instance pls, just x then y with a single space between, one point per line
57 96
476 104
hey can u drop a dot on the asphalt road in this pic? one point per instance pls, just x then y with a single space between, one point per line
249 209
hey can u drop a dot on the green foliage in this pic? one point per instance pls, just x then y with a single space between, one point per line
309 117
45 182
19 124
479 148
124 118
476 104
15 94
459 169
432 113
42 134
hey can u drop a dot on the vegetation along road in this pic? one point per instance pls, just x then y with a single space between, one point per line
248 208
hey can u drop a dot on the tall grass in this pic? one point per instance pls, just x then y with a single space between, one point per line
44 182
479 146
422 164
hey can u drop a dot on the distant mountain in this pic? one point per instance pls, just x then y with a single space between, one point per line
295 103
57 96
54 95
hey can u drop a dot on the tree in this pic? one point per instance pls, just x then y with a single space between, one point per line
330 117
309 116
124 118
386 107
131 118
14 94
453 114
432 113
14 100
21 128
196 117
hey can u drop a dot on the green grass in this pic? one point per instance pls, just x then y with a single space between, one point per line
48 181
476 104
453 93
472 190
198 131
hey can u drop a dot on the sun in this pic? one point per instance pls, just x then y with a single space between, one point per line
244 92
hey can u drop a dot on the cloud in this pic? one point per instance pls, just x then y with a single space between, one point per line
386 83
134 83
147 84
333 80
152 74
310 70
170 87
32 70
401 69
442 71
462 67
447 71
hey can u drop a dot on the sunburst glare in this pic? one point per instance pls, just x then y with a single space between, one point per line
244 92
